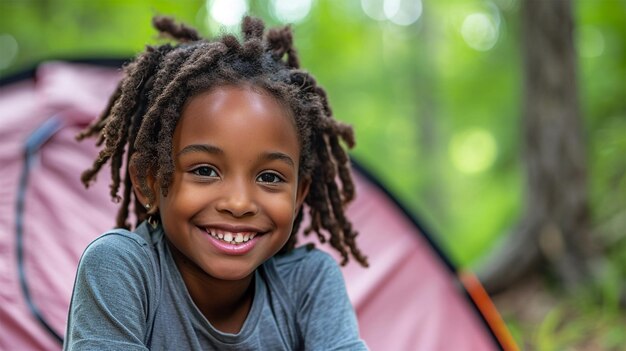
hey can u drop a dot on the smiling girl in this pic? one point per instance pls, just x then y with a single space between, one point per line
222 145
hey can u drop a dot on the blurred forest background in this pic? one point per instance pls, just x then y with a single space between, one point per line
507 146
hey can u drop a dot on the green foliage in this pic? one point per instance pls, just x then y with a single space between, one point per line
549 319
580 323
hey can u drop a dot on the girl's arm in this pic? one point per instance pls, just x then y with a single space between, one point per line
110 303
326 316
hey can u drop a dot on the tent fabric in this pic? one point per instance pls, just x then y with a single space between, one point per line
409 299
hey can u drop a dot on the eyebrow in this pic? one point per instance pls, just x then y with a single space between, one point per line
206 148
212 149
271 156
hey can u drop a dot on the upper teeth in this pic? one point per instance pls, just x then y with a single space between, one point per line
229 237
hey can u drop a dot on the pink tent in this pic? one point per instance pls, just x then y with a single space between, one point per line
411 298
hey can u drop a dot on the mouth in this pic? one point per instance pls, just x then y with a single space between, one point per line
231 237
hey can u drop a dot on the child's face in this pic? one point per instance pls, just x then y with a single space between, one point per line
236 154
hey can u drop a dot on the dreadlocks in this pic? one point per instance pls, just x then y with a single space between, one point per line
141 116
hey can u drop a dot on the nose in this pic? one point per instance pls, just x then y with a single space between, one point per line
237 200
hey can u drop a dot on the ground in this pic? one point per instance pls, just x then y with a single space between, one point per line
544 319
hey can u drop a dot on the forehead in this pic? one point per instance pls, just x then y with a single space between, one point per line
239 116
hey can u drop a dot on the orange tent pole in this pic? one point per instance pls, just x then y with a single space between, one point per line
488 310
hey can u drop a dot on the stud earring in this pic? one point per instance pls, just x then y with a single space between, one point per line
153 222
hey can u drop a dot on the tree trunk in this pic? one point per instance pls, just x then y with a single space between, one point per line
553 232
425 85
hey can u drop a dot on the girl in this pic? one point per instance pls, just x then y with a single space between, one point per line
222 144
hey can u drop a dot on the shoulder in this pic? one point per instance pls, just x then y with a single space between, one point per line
307 269
324 314
118 252
116 242
116 292
118 263
305 258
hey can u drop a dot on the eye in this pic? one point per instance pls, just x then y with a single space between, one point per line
269 177
204 171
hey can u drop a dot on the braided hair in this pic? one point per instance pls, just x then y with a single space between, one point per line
142 113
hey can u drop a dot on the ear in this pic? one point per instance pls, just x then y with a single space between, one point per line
146 191
304 184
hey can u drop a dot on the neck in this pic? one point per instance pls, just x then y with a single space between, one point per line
224 303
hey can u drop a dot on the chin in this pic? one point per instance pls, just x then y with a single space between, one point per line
231 274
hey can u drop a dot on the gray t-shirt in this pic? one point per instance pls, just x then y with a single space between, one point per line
129 295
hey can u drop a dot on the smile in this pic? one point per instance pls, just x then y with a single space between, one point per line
231 237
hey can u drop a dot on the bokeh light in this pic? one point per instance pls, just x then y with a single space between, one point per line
8 50
590 41
291 11
473 150
374 9
227 12
400 12
480 31
403 12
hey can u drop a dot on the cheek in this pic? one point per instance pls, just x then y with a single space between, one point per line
282 210
181 201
